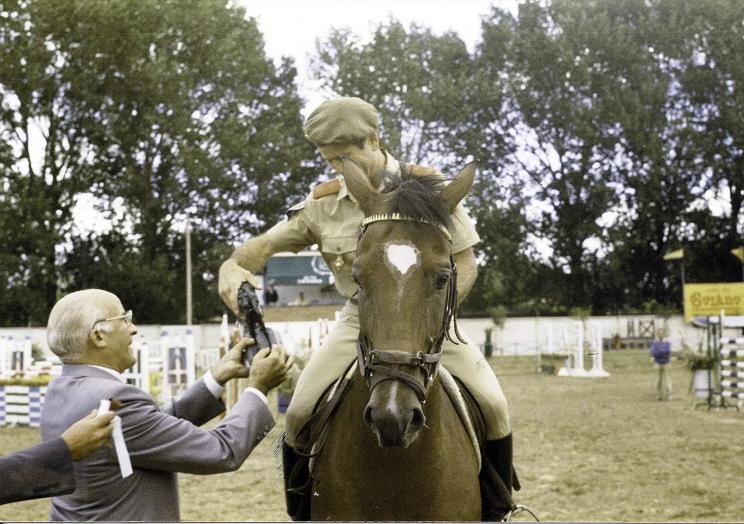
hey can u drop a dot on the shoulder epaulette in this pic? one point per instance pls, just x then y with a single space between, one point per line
327 188
416 170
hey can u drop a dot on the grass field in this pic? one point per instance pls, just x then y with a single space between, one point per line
585 449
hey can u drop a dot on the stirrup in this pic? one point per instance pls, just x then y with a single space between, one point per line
517 510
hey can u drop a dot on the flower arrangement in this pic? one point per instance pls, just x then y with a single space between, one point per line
40 380
695 361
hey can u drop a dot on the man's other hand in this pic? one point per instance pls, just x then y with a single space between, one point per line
88 434
269 368
230 278
231 364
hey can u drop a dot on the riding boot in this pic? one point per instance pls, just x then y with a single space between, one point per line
497 479
296 483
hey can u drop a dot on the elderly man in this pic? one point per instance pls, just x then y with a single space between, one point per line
331 218
91 333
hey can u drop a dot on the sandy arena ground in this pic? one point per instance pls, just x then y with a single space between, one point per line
586 449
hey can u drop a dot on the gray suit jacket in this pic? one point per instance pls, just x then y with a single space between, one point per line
160 443
39 471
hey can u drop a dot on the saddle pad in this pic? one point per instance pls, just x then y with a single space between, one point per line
453 392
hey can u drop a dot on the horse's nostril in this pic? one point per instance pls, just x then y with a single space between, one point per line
417 420
367 417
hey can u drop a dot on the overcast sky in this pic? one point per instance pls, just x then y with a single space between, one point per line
291 27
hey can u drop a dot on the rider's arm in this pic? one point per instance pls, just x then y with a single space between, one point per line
253 253
291 234
467 270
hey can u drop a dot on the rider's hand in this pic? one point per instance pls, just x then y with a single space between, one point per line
231 364
88 434
230 278
269 368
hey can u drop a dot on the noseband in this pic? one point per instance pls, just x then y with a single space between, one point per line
377 366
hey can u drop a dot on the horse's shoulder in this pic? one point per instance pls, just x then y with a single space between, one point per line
330 187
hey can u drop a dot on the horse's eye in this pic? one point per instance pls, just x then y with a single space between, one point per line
442 280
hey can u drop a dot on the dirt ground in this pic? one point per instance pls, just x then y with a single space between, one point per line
585 449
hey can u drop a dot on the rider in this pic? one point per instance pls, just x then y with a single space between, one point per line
331 218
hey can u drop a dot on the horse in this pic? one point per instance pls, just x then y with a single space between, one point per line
396 447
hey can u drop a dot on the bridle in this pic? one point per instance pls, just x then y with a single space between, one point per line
375 364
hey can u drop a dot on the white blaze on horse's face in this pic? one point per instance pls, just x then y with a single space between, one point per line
401 256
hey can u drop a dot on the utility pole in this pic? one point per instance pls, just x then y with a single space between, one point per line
188 275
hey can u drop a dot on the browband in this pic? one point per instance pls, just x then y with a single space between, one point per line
402 218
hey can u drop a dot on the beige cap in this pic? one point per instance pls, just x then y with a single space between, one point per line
341 121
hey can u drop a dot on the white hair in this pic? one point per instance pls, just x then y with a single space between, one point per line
71 321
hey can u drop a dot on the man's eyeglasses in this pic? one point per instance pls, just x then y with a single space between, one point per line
126 317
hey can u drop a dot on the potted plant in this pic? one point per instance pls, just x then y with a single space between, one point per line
701 365
550 363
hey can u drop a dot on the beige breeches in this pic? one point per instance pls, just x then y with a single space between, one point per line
464 361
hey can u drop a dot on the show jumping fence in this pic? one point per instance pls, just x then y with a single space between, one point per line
731 369
575 340
21 405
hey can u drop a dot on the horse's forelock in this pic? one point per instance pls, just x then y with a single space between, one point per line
417 198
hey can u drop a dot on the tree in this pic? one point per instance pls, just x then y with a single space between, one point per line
430 90
413 77
707 40
165 111
555 137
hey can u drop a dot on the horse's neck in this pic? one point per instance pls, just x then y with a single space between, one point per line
356 479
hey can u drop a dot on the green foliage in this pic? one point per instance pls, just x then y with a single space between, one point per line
163 110
580 312
602 130
41 380
498 315
652 307
416 79
695 361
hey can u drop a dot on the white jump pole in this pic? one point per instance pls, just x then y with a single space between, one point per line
579 370
598 355
568 366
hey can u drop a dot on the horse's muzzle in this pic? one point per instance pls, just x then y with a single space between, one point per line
396 424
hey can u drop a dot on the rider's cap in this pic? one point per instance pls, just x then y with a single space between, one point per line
341 121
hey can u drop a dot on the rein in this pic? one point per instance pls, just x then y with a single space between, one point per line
375 364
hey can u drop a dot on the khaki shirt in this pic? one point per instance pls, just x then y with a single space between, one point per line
333 222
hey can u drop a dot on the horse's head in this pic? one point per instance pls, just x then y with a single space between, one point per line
407 294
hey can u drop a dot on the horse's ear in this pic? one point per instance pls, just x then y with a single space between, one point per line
359 185
459 187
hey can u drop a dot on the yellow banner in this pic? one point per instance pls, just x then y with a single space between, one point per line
702 300
738 253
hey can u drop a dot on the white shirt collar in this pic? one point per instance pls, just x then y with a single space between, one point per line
113 372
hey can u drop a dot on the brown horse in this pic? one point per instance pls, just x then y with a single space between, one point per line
396 449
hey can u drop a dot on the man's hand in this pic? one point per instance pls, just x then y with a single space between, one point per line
88 434
230 278
268 370
231 364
